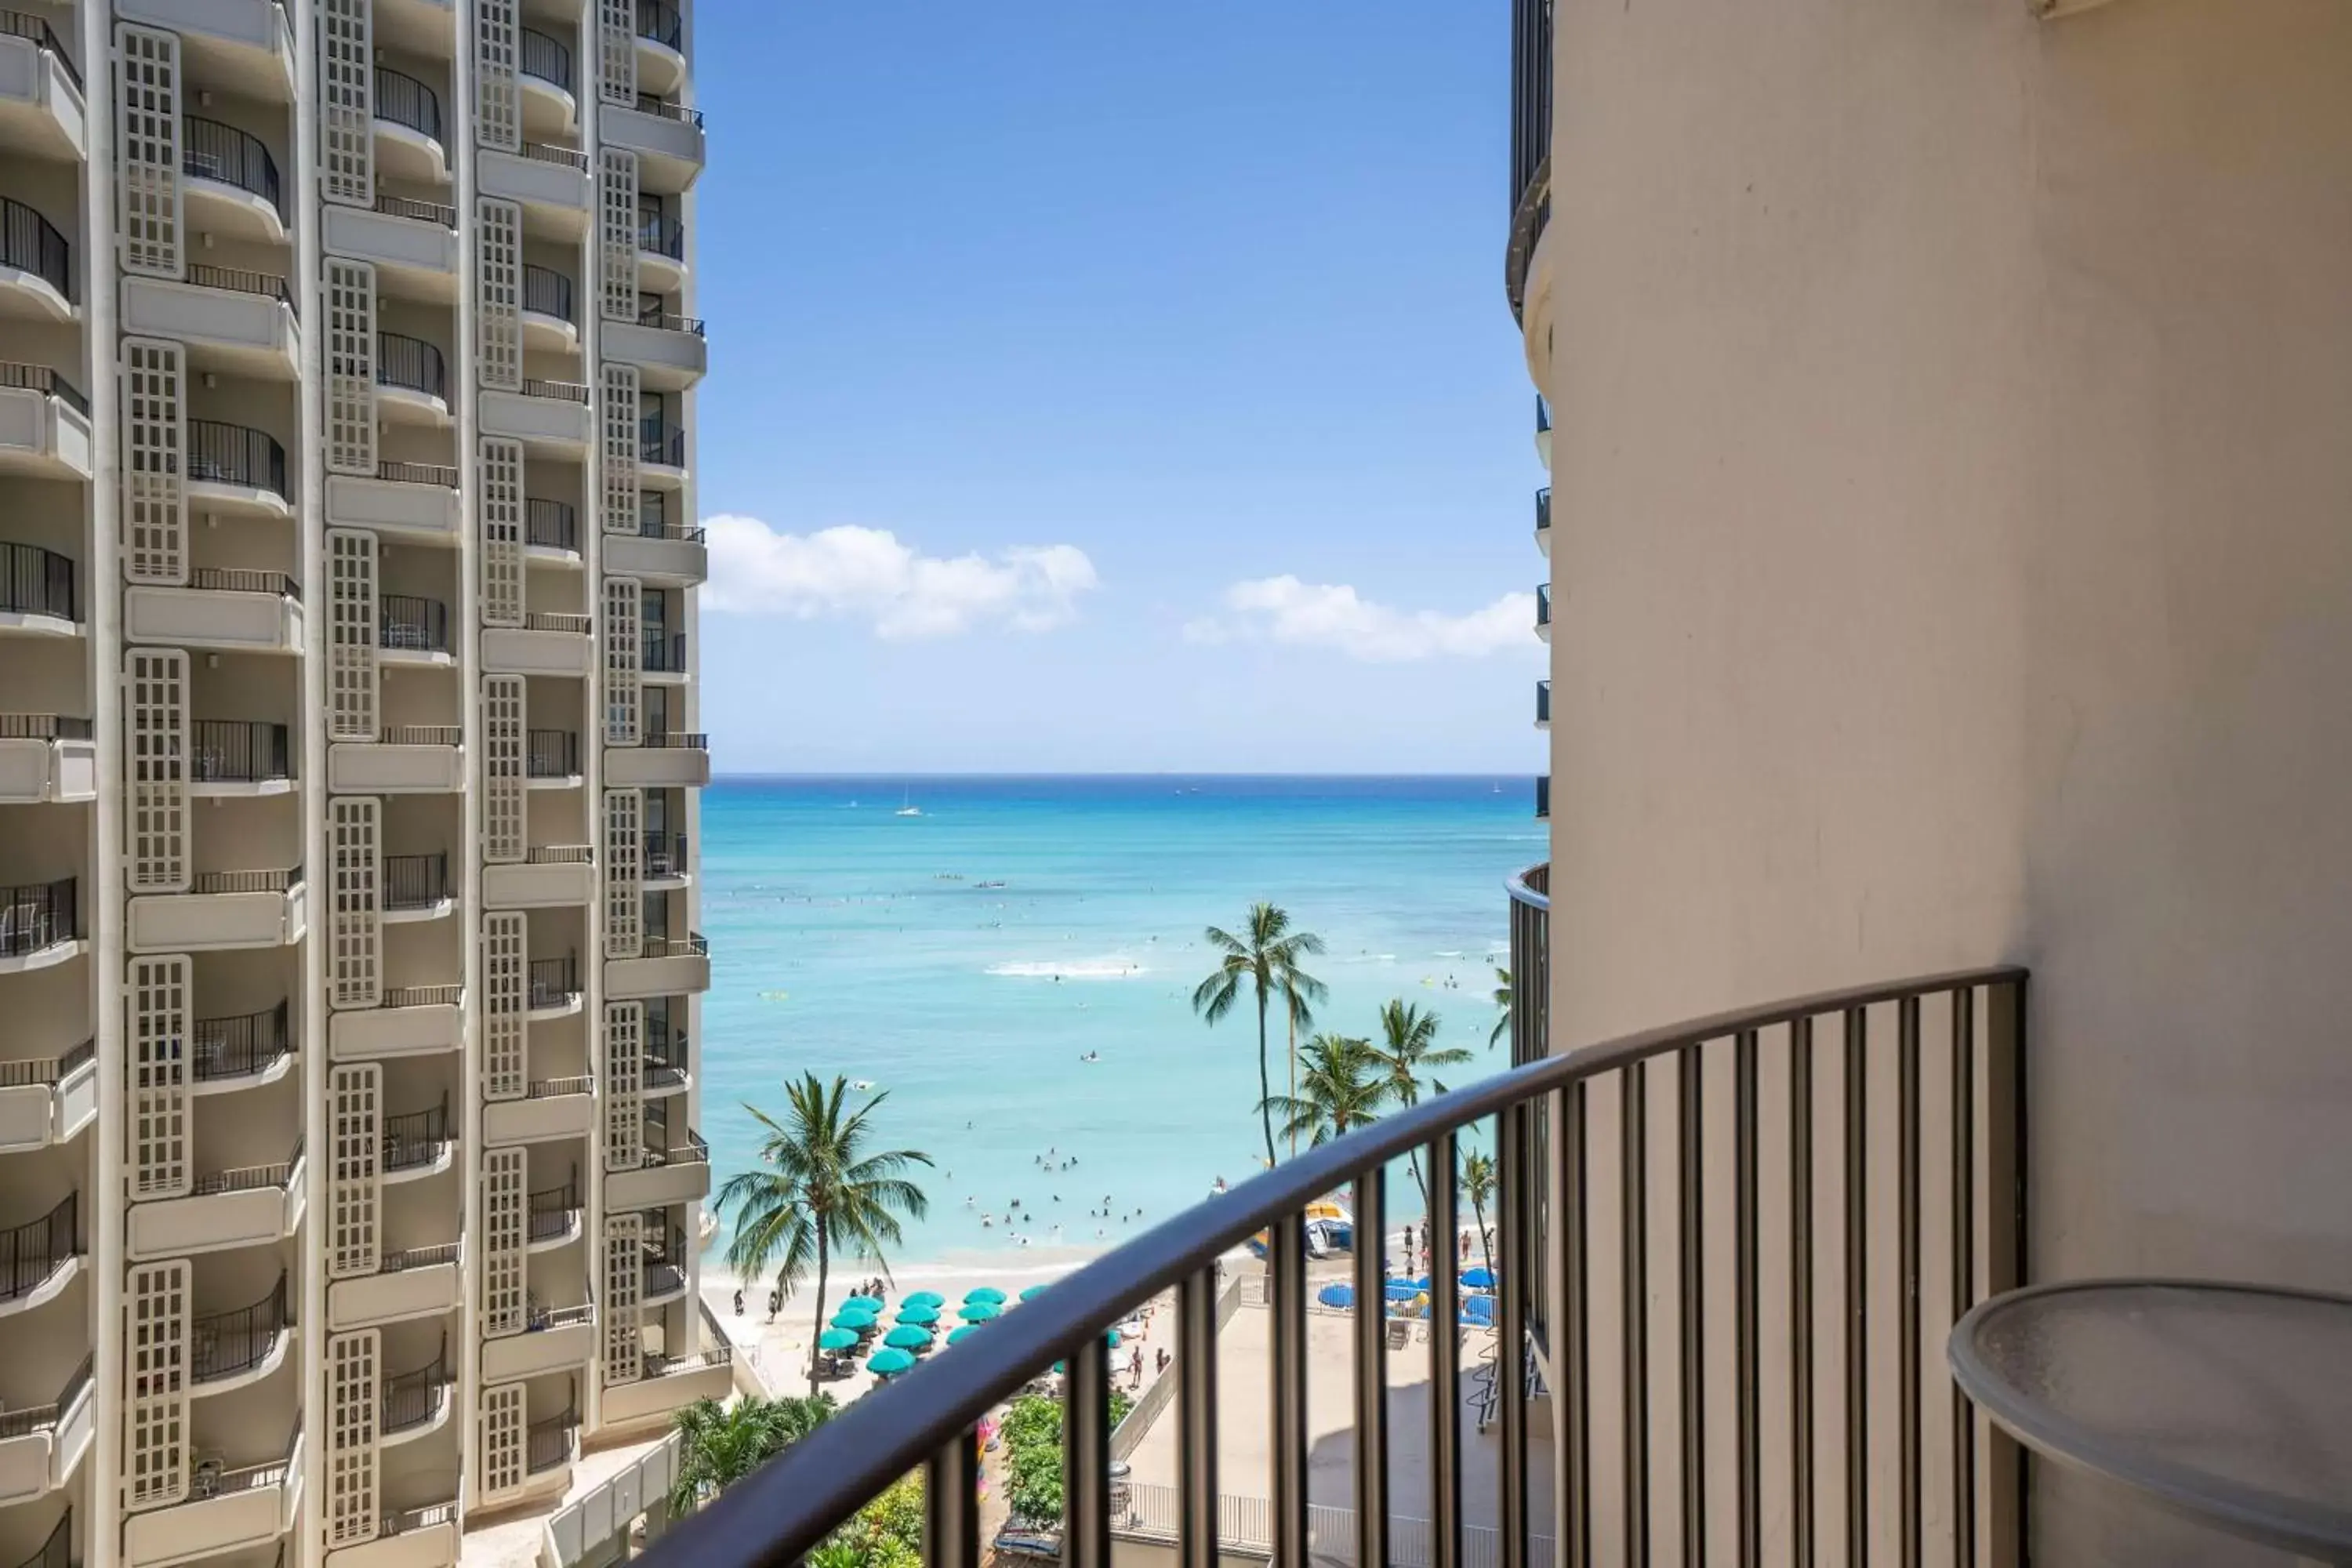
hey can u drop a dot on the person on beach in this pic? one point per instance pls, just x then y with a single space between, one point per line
1135 1368
738 1301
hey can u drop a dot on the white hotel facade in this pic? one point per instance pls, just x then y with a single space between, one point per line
349 768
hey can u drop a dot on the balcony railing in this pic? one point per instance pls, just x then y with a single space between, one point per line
548 59
416 1139
1543 797
1609 1159
546 292
658 21
229 1344
246 1046
25 1420
557 621
665 1062
211 151
410 362
1543 604
696 945
223 453
212 1476
555 524
416 1397
555 981
32 1252
418 473
423 995
41 378
405 101
234 750
282 881
36 582
654 520
244 280
25 1071
537 1317
410 1258
660 443
1530 171
647 103
241 580
438 213
415 882
1543 701
658 1365
553 1442
669 320
1543 510
548 153
661 1152
57 1550
411 625
22 25
30 243
552 754
553 1212
43 727
659 236
664 854
665 653
37 916
250 1178
422 735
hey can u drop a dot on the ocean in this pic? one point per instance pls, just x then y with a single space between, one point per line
966 959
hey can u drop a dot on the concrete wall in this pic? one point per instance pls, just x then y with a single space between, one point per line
1952 516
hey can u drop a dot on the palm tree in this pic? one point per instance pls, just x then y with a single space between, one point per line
1478 1185
1502 1005
1343 1087
1408 1045
1267 956
720 1445
822 1192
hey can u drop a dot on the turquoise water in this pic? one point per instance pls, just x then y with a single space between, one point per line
849 939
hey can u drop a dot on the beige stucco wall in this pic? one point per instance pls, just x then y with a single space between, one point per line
1952 560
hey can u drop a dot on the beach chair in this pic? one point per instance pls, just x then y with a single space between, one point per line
1399 1333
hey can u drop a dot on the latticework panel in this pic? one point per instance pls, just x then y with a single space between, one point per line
346 101
154 382
498 292
157 1006
623 437
617 206
149 225
623 1320
354 1384
499 1441
503 782
623 660
624 1082
355 900
617 32
355 1171
498 108
352 675
155 1312
506 1022
624 874
350 289
505 1304
499 496
155 758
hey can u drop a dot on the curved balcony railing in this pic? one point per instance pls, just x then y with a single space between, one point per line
228 1344
38 916
553 1212
23 25
32 1252
30 243
405 101
411 362
24 1420
232 750
664 653
24 1071
415 882
275 881
1543 797
246 1046
659 22
551 754
411 625
440 214
41 378
36 582
549 59
1543 510
1530 171
211 151
666 1062
1543 701
225 453
649 103
555 981
664 854
416 1397
416 1138
57 1550
1668 1128
662 443
250 1178
659 236
1543 604
244 280
553 524
551 1442
546 292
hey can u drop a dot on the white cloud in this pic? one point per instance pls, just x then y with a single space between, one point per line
1333 615
867 573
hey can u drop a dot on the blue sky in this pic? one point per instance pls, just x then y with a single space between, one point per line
1100 386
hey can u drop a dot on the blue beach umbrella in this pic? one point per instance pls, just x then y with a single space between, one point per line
889 1362
926 1299
837 1339
1400 1289
1422 1283
978 1311
1479 1310
1337 1294
923 1316
908 1337
1480 1278
856 1318
988 1293
871 1303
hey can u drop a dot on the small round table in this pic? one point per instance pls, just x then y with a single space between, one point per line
2229 1404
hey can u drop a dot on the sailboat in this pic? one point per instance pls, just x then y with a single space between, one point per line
907 807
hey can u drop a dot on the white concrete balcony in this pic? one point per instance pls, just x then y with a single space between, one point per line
552 759
416 1144
550 1447
553 1217
412 382
551 876
667 138
661 48
669 1384
666 348
412 244
419 1283
249 612
552 185
414 501
42 1255
245 1205
414 1021
671 760
411 629
233 321
671 554
550 111
229 1507
556 1340
551 321
40 925
545 644
229 183
44 420
246 1051
38 596
36 267
667 862
550 533
551 1109
549 417
661 254
235 471
661 470
411 759
554 988
47 757
423 1537
409 129
222 910
41 1444
416 1402
245 46
237 758
47 1099
41 97
664 966
417 888
664 1281
667 1176
236 1348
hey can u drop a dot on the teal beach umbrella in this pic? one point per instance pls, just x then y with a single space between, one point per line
920 1315
926 1299
957 1336
978 1311
854 1318
871 1303
889 1362
1034 1291
837 1339
909 1338
988 1293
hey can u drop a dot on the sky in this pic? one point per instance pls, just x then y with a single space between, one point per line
1099 386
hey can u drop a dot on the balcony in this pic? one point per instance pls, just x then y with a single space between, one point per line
40 1256
413 1020
46 1101
40 925
408 759
552 183
664 966
678 1175
660 551
663 1280
550 530
418 1143
229 1507
44 418
412 630
416 1401
545 644
554 1338
41 1445
242 47
232 320
408 144
549 417
667 348
1543 521
669 1384
1530 154
229 183
553 988
414 501
1543 704
413 1282
37 593
552 1217
549 106
667 137
661 253
666 861
412 381
550 320
1543 611
550 1109
36 267
235 471
417 888
231 1350
552 759
47 757
664 1069
1543 797
668 759
414 245
550 1445
234 757
661 453
549 876
662 653
661 48
1543 430
42 113
241 1052
222 910
221 608
244 1206
424 1536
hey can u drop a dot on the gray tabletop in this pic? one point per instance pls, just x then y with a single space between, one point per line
2230 1404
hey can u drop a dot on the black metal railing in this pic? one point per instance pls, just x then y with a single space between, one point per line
694 946
664 653
211 151
57 1550
36 916
548 153
551 1442
1530 170
439 213
234 750
423 995
43 727
660 236
31 243
1655 1392
244 280
1543 797
555 524
25 1420
549 59
659 1151
664 854
250 1178
551 754
422 735
411 362
555 981
33 1251
557 621
1543 604
411 625
666 1062
41 378
23 25
650 103
410 1258
24 1071
405 101
1543 511
669 320
537 1317
564 391
660 22
554 1212
662 443
415 882
36 582
247 881
228 1344
246 1046
415 1138
223 453
416 1397
546 292
1543 701
244 580
417 473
